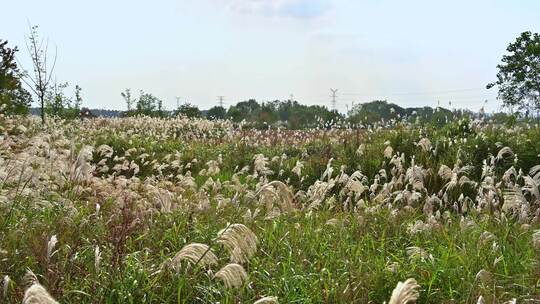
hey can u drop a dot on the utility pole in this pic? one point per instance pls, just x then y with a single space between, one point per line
220 100
334 96
177 102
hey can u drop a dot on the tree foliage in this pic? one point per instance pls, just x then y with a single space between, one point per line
216 112
14 99
518 78
188 110
286 113
147 104
58 104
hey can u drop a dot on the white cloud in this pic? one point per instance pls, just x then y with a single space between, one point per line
303 9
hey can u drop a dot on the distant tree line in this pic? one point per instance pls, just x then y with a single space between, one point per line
518 82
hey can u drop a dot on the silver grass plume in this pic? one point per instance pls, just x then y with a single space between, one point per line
36 293
388 152
285 195
50 246
535 172
239 240
504 153
97 258
233 275
536 239
195 253
298 168
483 276
405 292
267 300
5 282
417 253
425 144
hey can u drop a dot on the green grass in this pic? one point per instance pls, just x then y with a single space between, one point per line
300 257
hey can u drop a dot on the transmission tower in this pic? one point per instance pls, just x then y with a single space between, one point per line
334 96
220 100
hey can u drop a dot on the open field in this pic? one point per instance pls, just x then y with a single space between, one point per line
148 210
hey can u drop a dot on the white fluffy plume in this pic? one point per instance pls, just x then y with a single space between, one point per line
405 292
239 240
233 275
36 293
195 253
267 300
50 246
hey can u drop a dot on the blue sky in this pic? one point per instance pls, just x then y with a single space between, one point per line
412 52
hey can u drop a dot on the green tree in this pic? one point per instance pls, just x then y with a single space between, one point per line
40 81
244 110
216 112
188 110
58 104
14 99
518 78
147 104
129 100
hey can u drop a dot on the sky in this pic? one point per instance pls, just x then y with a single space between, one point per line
412 53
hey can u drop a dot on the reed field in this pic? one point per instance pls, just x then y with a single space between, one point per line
178 210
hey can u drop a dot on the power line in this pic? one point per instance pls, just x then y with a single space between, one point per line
417 93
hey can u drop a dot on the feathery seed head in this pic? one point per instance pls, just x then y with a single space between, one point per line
50 246
5 282
405 292
239 240
267 300
195 253
536 239
233 275
37 294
